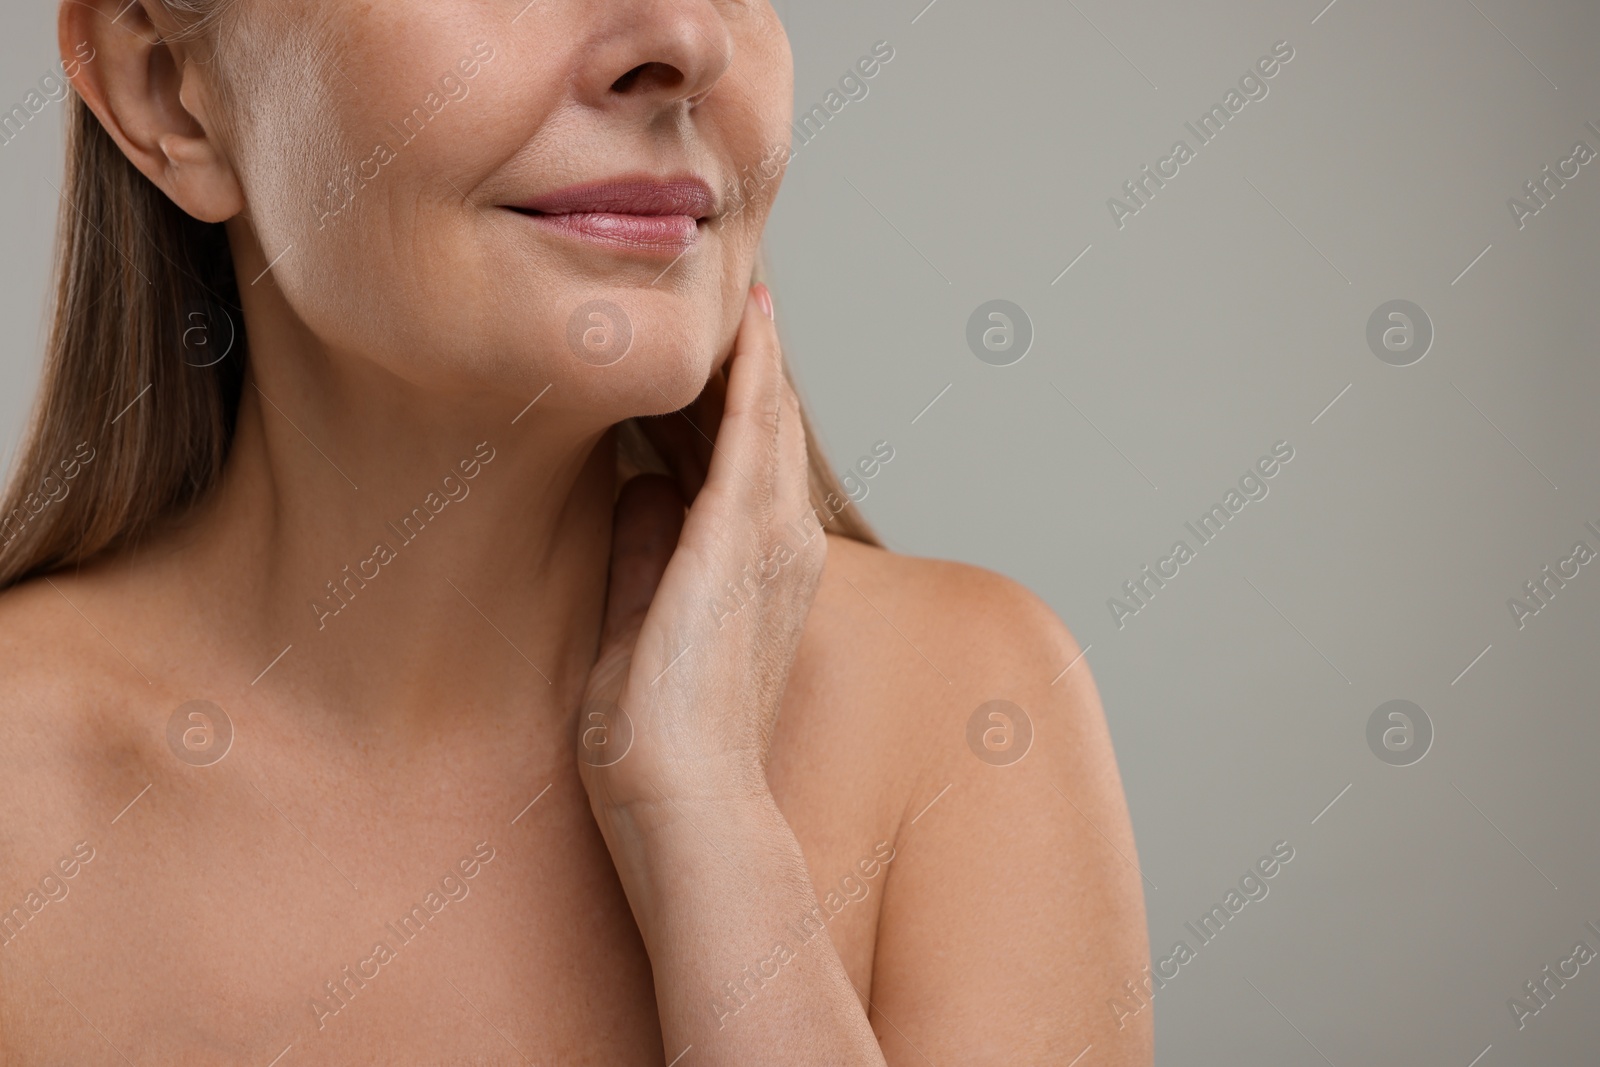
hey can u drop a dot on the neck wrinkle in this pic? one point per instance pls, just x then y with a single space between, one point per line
459 561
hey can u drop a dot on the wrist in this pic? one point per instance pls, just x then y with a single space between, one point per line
643 799
665 845
648 775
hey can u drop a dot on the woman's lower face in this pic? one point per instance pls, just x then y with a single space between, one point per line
561 193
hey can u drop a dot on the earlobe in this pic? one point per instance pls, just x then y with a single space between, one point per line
199 177
146 90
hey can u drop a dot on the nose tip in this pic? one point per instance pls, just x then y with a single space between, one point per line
667 53
657 78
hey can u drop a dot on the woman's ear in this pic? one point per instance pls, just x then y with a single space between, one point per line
151 95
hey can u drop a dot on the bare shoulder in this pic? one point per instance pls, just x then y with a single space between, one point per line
64 724
935 640
915 670
961 699
43 666
972 612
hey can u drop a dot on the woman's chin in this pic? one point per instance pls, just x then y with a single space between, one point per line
603 363
652 379
641 354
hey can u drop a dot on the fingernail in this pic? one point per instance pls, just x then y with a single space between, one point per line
764 298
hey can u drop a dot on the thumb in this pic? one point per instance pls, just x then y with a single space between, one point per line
645 526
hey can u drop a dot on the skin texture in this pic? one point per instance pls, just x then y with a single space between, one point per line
802 759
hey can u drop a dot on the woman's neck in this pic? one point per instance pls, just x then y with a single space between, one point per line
417 555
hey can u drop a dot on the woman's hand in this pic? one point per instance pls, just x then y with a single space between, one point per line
703 616
705 610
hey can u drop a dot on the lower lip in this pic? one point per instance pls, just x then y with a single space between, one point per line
672 234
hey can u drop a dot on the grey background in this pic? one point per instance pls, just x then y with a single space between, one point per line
1223 318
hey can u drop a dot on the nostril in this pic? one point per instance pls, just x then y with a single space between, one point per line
648 76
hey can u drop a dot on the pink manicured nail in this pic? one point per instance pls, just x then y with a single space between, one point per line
764 298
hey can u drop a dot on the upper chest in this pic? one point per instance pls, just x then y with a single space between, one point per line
463 909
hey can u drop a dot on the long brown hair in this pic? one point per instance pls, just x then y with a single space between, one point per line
135 413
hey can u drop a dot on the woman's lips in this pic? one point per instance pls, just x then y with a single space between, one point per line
641 214
667 232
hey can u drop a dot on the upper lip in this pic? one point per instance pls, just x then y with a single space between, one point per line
642 195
